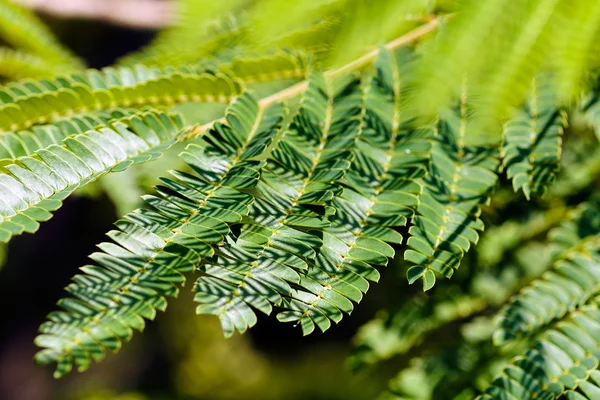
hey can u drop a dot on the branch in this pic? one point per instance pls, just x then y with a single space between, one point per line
133 13
300 87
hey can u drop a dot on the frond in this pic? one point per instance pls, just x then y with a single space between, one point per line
460 180
14 145
34 185
291 197
379 194
287 218
29 103
563 361
188 218
290 250
295 210
532 143
569 285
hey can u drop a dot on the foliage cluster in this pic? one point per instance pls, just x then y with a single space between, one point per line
333 156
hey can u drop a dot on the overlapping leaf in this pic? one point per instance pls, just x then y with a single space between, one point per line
324 295
155 247
379 194
292 197
297 253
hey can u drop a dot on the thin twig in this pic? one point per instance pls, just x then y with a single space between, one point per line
300 87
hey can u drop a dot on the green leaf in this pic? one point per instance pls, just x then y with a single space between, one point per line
29 103
459 182
154 247
533 141
569 285
563 359
33 186
292 195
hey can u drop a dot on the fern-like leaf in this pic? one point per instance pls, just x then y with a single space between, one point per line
460 180
569 285
563 361
155 247
34 186
296 253
27 142
379 193
324 294
29 103
533 140
291 198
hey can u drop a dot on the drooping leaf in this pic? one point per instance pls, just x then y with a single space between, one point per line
188 218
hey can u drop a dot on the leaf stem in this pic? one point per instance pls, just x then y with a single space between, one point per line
300 87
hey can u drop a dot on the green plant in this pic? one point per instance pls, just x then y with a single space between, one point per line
326 164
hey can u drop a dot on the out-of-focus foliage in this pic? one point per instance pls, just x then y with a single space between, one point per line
35 51
501 45
337 31
520 278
